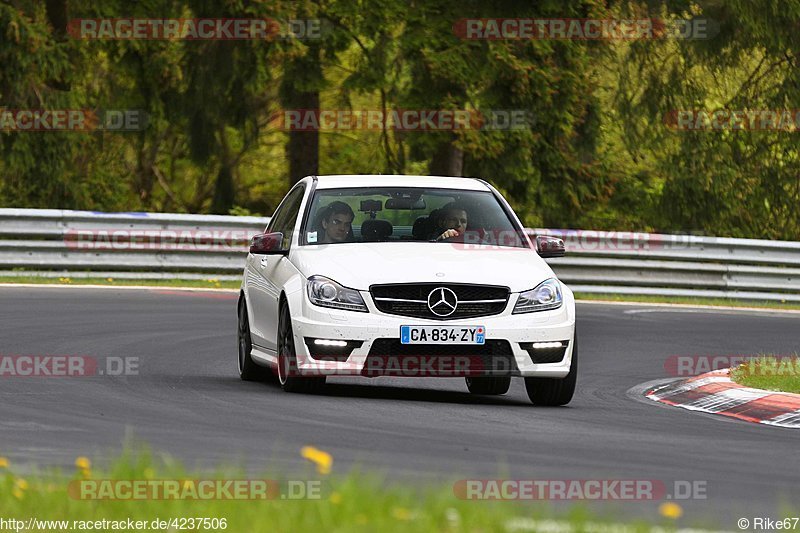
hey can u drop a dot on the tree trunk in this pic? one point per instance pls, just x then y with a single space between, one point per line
447 160
302 150
223 191
300 91
57 17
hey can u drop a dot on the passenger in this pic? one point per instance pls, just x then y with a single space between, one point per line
449 221
336 223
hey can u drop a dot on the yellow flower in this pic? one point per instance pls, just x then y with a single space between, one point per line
83 463
18 494
336 498
401 513
149 473
3 462
109 279
21 484
670 510
323 460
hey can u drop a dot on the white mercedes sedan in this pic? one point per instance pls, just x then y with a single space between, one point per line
410 276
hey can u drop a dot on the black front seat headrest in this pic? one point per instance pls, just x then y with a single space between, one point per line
376 230
421 229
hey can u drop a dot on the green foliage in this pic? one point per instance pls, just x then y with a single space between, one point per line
771 373
723 182
303 499
598 153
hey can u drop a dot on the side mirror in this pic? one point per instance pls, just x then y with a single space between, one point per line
267 243
548 246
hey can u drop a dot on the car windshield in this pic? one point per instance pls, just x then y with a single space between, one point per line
406 214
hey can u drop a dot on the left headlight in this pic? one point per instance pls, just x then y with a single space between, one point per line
546 295
325 292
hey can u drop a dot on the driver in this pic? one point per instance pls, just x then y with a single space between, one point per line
337 222
450 221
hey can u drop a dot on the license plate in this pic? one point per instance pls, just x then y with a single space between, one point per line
442 335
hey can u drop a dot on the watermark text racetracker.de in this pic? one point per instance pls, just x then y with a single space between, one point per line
594 240
580 489
707 120
197 29
583 29
78 120
46 366
402 119
753 365
234 240
413 366
575 240
196 489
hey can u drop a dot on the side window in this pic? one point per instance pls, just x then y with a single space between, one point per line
285 217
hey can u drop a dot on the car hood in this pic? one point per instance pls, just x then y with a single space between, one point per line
359 265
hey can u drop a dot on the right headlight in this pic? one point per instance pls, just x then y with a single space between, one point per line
546 295
325 292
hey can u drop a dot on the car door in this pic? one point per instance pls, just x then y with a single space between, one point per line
268 273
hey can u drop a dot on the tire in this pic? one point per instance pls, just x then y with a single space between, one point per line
554 391
287 359
492 386
249 370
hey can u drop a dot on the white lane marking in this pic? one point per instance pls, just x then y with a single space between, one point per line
667 306
35 426
123 287
717 311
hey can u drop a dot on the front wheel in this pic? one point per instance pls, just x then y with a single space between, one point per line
554 391
489 385
288 375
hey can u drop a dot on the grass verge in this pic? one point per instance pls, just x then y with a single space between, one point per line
687 300
770 373
355 502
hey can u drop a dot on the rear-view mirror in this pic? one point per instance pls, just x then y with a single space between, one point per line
406 203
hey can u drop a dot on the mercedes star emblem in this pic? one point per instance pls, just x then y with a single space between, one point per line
442 301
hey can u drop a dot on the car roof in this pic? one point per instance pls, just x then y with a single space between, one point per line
384 180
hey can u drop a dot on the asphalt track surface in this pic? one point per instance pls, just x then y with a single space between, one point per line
187 401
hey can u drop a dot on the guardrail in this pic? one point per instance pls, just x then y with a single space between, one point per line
79 244
57 243
678 265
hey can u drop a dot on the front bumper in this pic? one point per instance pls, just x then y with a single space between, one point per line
311 321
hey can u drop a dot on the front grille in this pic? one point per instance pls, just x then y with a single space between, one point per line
412 300
389 357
